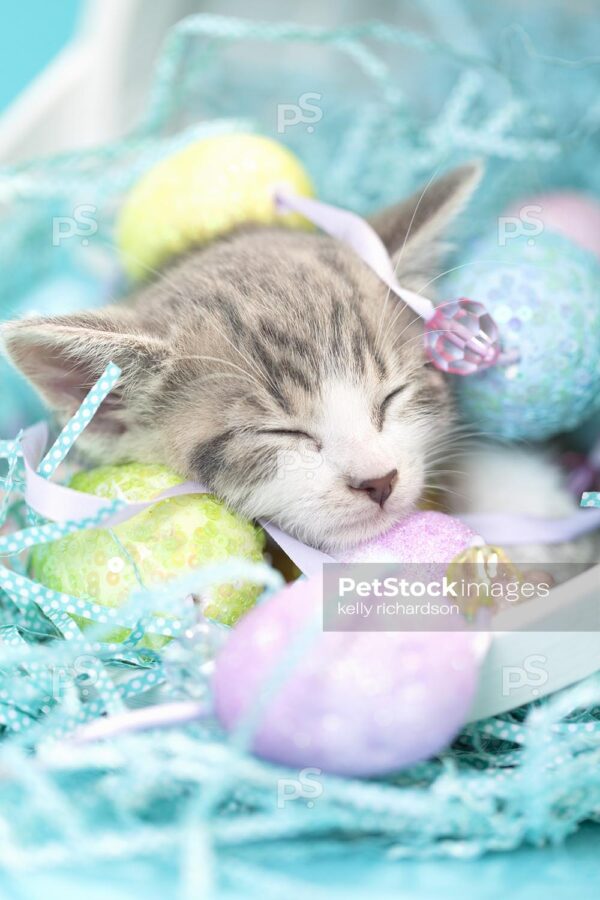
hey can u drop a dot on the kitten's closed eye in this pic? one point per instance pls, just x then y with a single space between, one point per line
287 432
391 396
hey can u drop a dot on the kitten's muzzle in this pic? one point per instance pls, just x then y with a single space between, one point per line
378 489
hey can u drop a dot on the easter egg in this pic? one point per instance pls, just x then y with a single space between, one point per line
203 191
352 703
544 295
570 213
431 539
166 541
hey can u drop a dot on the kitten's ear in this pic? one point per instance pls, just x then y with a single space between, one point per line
63 357
413 230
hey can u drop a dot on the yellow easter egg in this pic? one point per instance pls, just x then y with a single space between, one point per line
205 190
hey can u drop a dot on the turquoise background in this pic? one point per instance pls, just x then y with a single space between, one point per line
26 49
552 873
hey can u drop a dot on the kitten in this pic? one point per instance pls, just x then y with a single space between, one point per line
273 366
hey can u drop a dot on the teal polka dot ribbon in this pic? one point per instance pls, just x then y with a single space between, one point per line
591 498
80 421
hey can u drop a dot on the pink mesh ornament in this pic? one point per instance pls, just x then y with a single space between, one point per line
461 337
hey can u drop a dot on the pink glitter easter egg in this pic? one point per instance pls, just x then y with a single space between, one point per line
353 703
429 538
570 213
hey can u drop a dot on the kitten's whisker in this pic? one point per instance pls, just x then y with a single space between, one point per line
414 214
259 370
445 490
464 444
461 440
225 362
446 452
464 265
450 451
461 430
222 375
395 316
405 241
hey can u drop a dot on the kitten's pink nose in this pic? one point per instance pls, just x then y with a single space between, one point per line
379 489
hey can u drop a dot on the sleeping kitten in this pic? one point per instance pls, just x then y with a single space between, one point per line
273 366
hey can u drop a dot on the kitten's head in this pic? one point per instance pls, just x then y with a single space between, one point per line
273 366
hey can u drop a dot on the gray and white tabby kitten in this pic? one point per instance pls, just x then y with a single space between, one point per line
273 366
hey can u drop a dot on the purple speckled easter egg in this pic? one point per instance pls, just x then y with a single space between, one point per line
353 703
429 538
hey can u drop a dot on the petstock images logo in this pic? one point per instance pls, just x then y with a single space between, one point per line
437 597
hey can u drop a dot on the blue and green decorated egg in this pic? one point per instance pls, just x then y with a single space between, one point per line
544 294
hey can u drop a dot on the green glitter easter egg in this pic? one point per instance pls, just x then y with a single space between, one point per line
166 541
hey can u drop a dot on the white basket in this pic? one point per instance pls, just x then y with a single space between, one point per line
524 665
95 89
